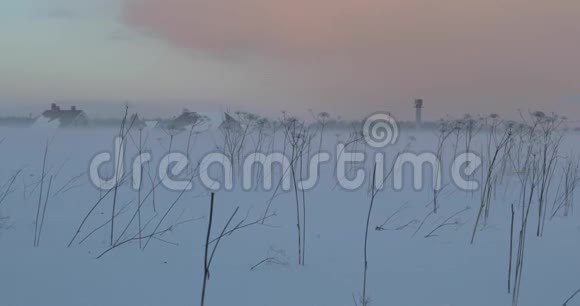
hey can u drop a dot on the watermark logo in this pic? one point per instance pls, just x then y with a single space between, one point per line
380 130
349 166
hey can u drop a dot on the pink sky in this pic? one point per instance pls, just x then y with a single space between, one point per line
348 57
477 55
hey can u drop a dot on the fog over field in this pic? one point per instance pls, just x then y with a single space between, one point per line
297 211
289 153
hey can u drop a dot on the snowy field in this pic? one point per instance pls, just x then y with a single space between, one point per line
415 257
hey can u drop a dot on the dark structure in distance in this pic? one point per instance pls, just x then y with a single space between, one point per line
72 117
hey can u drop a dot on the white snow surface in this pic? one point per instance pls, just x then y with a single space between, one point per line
403 270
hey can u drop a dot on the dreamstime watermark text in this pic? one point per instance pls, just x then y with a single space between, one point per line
380 133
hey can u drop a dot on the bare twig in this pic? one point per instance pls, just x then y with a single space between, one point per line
571 297
44 211
206 259
36 224
446 223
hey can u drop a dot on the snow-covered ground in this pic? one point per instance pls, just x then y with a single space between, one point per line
404 267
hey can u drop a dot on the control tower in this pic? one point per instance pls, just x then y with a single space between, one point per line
418 110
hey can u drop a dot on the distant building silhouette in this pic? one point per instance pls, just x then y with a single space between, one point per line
230 123
418 110
199 121
181 122
66 117
135 122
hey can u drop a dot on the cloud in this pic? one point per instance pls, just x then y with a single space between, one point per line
120 35
60 13
339 52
